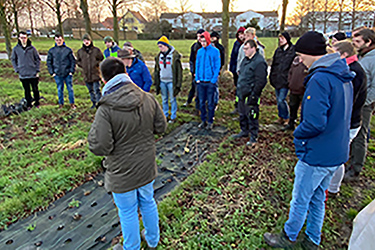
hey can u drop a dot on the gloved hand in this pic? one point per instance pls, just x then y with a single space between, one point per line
176 91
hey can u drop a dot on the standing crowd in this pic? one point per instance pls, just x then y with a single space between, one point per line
333 83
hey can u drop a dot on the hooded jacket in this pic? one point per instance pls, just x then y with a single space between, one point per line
297 73
281 62
25 61
140 75
61 61
322 138
207 66
193 56
112 51
367 61
222 52
234 55
89 61
123 130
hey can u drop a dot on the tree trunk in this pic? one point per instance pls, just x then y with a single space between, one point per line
15 13
4 24
225 34
85 10
115 22
58 15
353 15
29 9
340 14
283 17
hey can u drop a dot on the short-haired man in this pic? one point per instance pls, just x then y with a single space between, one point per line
206 74
364 42
88 58
321 140
123 131
347 51
112 48
61 66
251 81
26 62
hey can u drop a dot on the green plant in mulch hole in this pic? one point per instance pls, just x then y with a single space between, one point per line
31 227
74 203
352 213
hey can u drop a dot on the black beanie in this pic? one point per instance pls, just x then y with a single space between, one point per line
311 43
287 36
200 31
340 36
215 34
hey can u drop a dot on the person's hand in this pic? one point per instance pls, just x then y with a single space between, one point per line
53 75
70 73
37 74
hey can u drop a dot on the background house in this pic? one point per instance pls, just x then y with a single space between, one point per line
132 20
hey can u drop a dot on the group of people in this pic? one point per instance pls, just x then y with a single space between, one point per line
334 84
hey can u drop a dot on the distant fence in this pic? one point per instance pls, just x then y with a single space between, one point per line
100 34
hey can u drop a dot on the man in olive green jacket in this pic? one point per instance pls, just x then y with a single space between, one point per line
123 130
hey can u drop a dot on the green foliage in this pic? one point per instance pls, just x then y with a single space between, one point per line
74 203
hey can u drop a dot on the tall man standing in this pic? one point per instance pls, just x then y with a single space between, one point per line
61 66
364 41
321 140
88 58
251 81
26 62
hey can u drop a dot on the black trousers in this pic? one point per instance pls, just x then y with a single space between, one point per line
33 82
294 103
192 91
235 80
249 119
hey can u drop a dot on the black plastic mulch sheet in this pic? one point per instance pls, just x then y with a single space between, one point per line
86 218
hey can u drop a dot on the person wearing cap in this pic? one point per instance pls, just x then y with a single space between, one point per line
339 36
88 58
281 62
132 50
168 76
193 56
112 48
240 38
207 71
136 69
61 65
321 140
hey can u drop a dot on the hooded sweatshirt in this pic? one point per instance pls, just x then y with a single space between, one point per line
123 130
322 138
165 64
367 61
234 55
25 60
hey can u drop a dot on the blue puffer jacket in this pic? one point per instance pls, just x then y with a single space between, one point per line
207 65
140 75
322 138
61 61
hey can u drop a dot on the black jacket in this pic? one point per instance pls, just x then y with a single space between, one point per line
61 61
25 60
222 53
252 78
359 94
193 56
282 60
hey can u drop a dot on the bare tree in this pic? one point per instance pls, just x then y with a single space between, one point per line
342 5
85 10
116 5
283 16
299 14
329 7
225 34
30 11
184 6
55 6
16 6
155 8
4 23
358 5
96 9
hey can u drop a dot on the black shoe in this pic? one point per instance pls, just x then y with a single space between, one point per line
210 126
351 176
280 240
202 125
307 244
288 128
240 135
235 111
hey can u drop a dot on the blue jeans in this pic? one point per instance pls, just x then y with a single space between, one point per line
282 105
206 92
167 93
309 188
127 204
60 88
94 91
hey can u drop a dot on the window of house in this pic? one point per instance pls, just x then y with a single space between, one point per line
243 20
196 20
218 21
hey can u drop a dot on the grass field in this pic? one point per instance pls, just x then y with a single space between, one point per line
148 48
231 199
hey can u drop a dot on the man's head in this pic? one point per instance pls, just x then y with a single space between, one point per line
240 34
250 48
205 39
214 37
22 36
199 33
345 48
311 47
128 46
111 67
358 29
126 56
108 40
339 36
250 33
59 39
363 39
284 38
163 44
86 39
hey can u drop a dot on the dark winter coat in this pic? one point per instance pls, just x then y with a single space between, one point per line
140 75
61 61
123 131
222 52
193 56
25 61
89 61
234 56
322 138
282 60
252 78
297 73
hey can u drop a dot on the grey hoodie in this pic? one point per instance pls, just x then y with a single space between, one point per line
368 64
166 74
25 61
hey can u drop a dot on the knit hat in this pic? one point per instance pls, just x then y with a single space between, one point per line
200 31
163 40
124 54
311 43
207 36
241 30
286 35
86 37
108 39
215 34
340 36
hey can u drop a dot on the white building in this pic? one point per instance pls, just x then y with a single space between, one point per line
192 21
